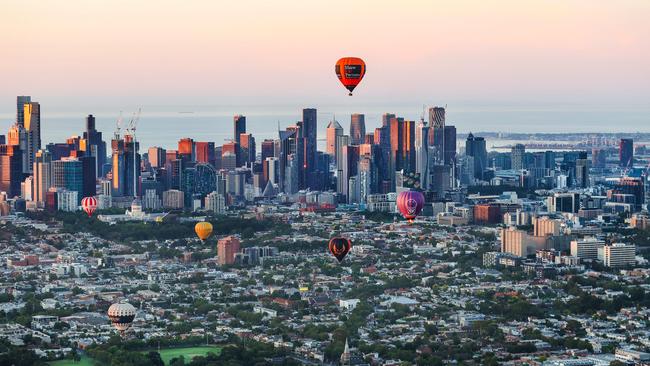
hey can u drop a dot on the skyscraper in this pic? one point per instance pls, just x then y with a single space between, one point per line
226 249
232 150
67 173
437 133
422 153
449 145
517 155
582 170
348 169
21 100
17 136
205 152
247 146
42 176
125 166
11 172
357 129
157 157
475 147
95 145
408 150
268 149
626 153
239 126
32 124
310 135
186 149
396 128
334 130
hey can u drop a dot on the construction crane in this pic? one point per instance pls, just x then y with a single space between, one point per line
118 126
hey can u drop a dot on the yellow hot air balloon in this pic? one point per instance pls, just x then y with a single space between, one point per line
203 230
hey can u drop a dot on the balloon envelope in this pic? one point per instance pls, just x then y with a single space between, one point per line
410 203
339 247
203 230
89 205
350 71
121 315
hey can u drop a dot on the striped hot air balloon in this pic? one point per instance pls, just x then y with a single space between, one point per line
121 315
410 203
89 205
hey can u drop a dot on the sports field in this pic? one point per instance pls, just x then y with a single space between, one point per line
166 354
188 353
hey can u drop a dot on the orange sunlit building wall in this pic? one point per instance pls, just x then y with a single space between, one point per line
226 249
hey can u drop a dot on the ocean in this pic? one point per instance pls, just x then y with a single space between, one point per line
164 125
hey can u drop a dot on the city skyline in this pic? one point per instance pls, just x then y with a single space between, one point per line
202 183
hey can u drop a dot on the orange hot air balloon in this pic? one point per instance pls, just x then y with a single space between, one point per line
350 71
203 230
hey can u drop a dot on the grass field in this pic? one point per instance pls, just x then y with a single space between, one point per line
188 353
166 355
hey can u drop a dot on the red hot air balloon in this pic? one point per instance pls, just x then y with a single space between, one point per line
350 71
410 203
89 204
339 247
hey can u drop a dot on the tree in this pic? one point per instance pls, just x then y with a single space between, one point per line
155 358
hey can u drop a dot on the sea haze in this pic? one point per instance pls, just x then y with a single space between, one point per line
165 125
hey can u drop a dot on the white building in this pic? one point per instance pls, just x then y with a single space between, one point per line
586 248
381 202
348 305
617 255
215 202
151 200
173 199
67 200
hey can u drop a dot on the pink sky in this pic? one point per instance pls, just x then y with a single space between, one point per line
281 51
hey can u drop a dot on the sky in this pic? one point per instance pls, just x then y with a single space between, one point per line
116 53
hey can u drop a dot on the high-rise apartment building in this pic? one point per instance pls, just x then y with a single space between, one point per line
239 126
42 176
357 128
334 130
11 172
157 156
226 249
626 153
95 145
32 125
617 255
475 147
247 147
21 100
205 152
517 155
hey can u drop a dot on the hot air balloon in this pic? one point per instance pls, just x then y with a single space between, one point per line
203 230
410 203
350 71
121 315
89 205
339 247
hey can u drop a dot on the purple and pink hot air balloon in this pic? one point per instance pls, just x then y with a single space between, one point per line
410 203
